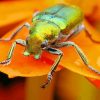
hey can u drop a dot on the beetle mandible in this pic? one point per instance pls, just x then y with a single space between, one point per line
50 30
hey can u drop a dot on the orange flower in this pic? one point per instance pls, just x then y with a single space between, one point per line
28 66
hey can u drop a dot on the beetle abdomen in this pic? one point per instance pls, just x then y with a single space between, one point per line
66 17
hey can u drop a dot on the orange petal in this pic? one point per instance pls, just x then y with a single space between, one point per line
95 82
16 12
94 37
95 15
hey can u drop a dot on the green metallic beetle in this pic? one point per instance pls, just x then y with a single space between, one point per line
49 31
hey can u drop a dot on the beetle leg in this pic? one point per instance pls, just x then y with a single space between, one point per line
36 13
89 35
54 66
80 52
75 31
79 29
14 33
10 53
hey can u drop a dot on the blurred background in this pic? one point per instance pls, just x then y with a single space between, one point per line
65 85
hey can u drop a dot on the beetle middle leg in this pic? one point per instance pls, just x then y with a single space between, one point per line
80 52
8 60
54 66
14 33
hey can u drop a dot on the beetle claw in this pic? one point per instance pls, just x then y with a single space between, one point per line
48 81
44 85
6 62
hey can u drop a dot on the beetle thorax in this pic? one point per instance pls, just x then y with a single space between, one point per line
40 32
45 30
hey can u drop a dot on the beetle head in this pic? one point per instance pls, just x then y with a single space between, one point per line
33 46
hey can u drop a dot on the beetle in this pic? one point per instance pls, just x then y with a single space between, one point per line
51 29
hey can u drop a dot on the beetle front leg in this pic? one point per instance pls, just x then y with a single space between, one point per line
80 52
8 60
14 33
54 66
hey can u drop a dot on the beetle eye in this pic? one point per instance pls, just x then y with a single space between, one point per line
44 44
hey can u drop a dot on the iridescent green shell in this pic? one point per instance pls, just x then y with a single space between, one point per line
64 16
47 25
